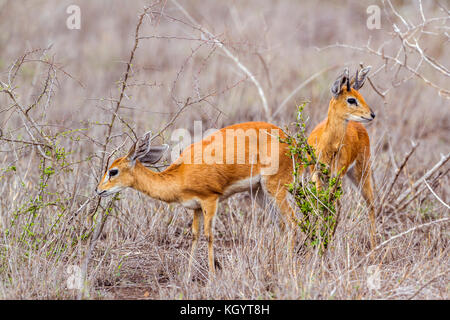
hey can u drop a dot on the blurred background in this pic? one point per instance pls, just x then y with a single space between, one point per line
60 88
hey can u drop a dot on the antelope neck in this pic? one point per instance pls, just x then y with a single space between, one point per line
335 129
157 185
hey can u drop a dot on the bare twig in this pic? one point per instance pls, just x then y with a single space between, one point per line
236 60
427 283
103 217
428 174
420 191
302 85
394 180
408 35
436 196
443 220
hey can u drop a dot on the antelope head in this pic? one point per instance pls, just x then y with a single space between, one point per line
121 173
347 102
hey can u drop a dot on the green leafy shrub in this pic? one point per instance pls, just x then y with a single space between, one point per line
319 207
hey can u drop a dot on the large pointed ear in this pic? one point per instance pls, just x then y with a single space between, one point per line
360 77
338 84
139 148
143 151
154 154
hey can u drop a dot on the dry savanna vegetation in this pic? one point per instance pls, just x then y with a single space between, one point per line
72 100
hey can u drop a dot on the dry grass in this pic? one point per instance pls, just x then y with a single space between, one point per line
143 249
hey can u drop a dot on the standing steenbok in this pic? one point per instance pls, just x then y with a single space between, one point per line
340 140
246 157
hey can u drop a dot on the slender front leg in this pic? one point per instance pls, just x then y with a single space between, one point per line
195 234
209 207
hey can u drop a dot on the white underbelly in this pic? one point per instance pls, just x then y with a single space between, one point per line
243 185
191 204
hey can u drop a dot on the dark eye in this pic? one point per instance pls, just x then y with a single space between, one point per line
351 100
113 172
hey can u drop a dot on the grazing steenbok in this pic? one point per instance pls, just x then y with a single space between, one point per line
243 157
238 158
341 140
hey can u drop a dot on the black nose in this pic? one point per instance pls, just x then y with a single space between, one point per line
372 114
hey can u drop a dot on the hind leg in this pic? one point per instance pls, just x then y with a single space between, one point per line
275 187
277 190
262 199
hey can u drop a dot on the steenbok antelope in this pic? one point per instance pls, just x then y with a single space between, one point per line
238 158
247 156
341 140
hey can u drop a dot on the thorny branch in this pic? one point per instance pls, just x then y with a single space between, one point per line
409 38
209 36
101 219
